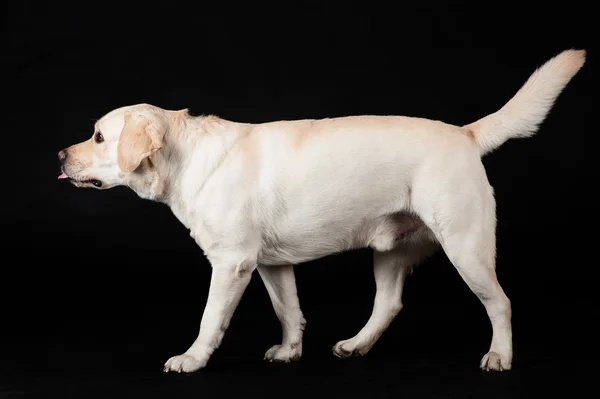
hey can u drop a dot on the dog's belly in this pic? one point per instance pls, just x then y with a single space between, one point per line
382 234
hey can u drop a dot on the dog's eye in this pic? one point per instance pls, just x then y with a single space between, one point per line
97 183
98 137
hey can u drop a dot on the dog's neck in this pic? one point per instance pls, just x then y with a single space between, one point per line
193 148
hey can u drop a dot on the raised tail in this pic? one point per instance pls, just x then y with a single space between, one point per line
521 116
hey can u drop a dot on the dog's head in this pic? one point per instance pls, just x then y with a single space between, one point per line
119 151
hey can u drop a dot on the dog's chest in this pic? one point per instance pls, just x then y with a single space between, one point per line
198 231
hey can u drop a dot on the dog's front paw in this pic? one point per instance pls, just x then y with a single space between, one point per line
495 362
185 363
284 353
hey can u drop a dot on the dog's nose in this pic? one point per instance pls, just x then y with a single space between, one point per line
62 155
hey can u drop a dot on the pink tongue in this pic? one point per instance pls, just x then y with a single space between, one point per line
62 176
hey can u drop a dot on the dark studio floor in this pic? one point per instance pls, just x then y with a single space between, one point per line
109 338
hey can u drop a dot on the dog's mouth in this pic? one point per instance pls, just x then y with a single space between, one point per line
94 182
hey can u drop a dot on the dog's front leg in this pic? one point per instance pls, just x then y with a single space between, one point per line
227 284
281 285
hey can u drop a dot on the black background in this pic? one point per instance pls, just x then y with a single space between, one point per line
100 288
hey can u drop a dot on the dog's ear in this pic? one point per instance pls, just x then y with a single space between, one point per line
139 139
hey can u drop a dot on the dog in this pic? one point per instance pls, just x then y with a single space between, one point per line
273 195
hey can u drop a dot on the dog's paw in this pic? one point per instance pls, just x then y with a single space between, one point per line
495 362
184 363
284 353
347 348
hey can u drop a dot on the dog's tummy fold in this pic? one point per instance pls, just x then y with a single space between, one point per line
265 197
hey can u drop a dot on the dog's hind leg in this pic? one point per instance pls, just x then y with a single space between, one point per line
391 269
462 214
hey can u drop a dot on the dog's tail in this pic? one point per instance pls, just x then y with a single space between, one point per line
521 116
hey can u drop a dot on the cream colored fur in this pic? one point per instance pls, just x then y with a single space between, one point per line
272 195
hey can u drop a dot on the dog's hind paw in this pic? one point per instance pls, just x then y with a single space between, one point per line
347 348
495 362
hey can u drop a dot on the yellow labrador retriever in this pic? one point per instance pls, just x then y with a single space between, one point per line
272 195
